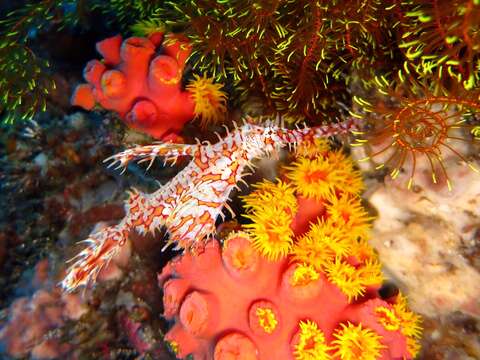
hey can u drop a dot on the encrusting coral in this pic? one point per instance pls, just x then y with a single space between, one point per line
145 88
32 320
284 289
192 201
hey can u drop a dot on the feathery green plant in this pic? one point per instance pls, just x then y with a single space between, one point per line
24 81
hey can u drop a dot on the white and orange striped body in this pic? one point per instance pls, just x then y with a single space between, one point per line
191 202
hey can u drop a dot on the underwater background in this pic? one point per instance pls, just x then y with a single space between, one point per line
239 179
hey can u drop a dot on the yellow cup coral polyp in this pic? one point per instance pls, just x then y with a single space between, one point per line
210 101
309 342
357 343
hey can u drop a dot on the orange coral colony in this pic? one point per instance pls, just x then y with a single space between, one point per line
145 88
278 290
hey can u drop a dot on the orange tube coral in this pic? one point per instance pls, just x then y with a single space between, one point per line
287 287
145 89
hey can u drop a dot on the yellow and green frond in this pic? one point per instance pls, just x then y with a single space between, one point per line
148 27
